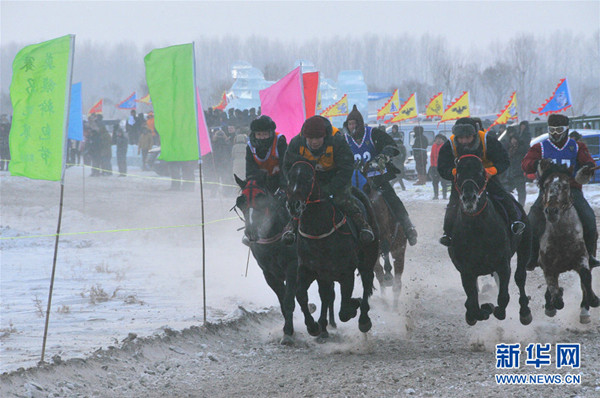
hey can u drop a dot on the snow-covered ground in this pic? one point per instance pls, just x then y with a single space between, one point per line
111 281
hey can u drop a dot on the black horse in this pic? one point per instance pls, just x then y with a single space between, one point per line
482 244
328 252
265 217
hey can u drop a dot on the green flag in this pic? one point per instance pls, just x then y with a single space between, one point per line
39 92
170 79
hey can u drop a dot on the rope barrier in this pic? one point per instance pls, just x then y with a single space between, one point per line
117 230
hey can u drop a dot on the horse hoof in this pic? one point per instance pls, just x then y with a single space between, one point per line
324 336
584 319
487 309
500 313
470 321
526 319
287 340
312 308
559 304
550 312
315 330
365 327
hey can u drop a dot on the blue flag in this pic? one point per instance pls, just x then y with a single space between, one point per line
75 114
128 103
559 101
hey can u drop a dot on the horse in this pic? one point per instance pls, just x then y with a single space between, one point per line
392 238
328 252
482 244
562 247
265 218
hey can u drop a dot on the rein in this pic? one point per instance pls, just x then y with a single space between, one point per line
307 201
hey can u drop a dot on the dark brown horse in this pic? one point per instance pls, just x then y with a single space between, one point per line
562 247
392 240
328 252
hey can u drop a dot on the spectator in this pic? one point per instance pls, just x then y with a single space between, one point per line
122 143
438 141
420 154
4 142
105 148
145 143
131 129
399 160
238 153
515 178
94 145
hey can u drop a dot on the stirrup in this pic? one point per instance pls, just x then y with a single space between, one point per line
366 235
446 240
246 240
411 235
517 227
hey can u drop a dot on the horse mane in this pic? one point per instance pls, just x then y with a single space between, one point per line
551 169
364 199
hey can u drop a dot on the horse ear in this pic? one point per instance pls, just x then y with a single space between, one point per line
239 181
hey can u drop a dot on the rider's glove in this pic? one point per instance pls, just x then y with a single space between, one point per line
382 160
584 174
491 171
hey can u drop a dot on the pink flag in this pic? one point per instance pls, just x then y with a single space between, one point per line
203 137
284 103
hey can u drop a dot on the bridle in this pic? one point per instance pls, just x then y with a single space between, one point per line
480 190
302 206
563 206
250 192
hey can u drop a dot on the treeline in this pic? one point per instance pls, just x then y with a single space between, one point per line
529 64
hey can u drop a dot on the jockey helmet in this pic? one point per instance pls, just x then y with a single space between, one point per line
262 124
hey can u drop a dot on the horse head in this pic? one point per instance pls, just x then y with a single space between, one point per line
555 188
470 182
303 187
258 206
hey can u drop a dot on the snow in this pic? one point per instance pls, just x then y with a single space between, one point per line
110 284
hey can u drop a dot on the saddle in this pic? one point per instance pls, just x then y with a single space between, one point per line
499 205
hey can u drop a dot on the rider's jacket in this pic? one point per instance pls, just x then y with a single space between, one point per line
568 151
269 162
492 152
334 161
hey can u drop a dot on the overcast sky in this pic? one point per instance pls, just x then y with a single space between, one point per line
475 23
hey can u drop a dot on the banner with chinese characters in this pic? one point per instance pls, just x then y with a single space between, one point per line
39 93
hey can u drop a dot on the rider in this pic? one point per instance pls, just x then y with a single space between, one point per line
263 153
329 152
559 148
376 144
467 138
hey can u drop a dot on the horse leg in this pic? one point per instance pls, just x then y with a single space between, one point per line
552 293
474 313
503 296
349 305
325 292
398 255
282 292
305 278
520 279
364 322
332 322
589 297
289 303
380 275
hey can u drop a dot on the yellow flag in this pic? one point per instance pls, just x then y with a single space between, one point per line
340 108
459 108
391 106
435 107
509 112
408 110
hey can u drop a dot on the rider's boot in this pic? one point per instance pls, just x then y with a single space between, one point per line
366 234
449 217
289 232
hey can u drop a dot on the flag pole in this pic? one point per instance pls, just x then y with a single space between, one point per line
83 180
62 190
196 98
